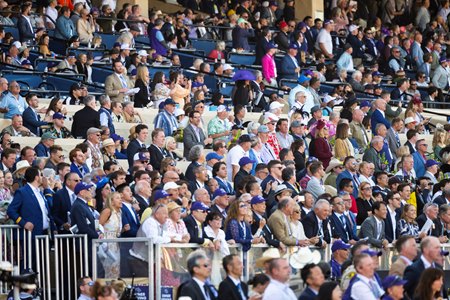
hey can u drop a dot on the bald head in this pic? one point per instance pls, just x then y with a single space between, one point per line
170 176
358 115
380 104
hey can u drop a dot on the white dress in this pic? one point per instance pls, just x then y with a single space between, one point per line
111 262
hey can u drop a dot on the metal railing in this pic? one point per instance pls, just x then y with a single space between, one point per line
71 263
42 243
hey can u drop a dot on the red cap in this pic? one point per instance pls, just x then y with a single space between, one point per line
416 100
282 24
320 124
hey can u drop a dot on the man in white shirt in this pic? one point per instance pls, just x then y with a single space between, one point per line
324 42
366 286
278 288
282 133
85 284
236 153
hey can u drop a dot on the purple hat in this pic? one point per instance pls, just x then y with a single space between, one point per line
213 155
81 186
245 161
430 163
197 84
444 253
443 59
257 199
26 62
133 72
140 156
293 46
271 45
273 3
326 22
116 137
364 103
393 280
376 73
197 205
301 25
219 193
340 245
372 252
160 194
117 44
59 116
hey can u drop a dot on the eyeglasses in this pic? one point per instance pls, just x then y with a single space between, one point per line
426 145
173 164
202 211
204 265
339 203
243 206
76 180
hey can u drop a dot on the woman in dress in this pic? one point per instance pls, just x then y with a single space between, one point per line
320 147
407 224
175 225
5 199
364 202
9 181
111 220
343 147
237 229
56 105
439 141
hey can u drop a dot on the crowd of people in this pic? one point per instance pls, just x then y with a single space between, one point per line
360 179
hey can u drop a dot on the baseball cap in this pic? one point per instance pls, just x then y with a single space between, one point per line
71 54
227 67
169 101
58 116
219 193
213 155
160 194
283 24
273 3
430 163
222 108
197 205
26 62
125 46
143 53
170 185
293 46
365 103
303 78
81 186
48 136
393 280
339 245
263 129
376 73
244 138
271 45
116 137
328 21
409 120
372 252
179 112
394 180
257 199
140 156
347 46
245 161
352 27
296 123
16 44
275 105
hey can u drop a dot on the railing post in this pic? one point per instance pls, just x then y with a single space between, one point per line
157 270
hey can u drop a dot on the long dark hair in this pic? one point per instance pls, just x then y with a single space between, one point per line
326 290
423 290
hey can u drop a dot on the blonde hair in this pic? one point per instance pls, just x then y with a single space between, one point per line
169 139
402 151
142 72
109 200
440 137
321 133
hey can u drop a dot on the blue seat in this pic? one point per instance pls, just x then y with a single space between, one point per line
99 74
109 39
142 39
205 45
241 59
13 30
152 71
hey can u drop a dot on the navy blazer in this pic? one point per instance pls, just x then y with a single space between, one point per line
132 149
229 291
347 174
388 230
41 150
338 230
156 156
32 120
61 206
81 215
191 289
74 168
376 118
193 230
25 208
26 32
288 67
225 185
311 227
307 294
127 218
412 275
142 204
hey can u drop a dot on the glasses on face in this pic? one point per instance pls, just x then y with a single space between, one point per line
202 211
203 265
242 205
426 145
173 164
339 203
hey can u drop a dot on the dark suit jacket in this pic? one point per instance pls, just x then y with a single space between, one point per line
61 206
156 156
190 139
141 99
191 289
83 120
142 204
388 230
216 209
26 33
311 227
229 291
410 147
347 174
189 174
412 275
25 208
132 149
422 219
31 120
192 228
81 215
369 230
127 218
338 230
376 118
307 294
288 68
266 232
41 150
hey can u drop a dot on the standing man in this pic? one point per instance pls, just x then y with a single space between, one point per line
166 119
313 276
31 117
63 201
407 250
117 84
232 288
156 149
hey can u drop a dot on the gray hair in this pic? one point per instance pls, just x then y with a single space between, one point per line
356 74
376 139
193 258
103 99
88 99
334 115
198 192
378 126
243 196
139 186
195 153
258 73
125 104
284 202
321 203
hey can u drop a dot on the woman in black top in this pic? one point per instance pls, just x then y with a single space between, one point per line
142 98
242 93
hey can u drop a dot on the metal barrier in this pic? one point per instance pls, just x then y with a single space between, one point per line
15 246
111 260
71 263
42 243
170 269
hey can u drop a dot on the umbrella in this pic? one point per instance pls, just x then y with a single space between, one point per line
244 75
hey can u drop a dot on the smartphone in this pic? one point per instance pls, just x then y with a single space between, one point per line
301 198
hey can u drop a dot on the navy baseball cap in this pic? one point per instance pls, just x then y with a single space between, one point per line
219 193
58 116
169 101
339 245
372 252
293 46
393 280
160 194
245 161
257 199
81 186
197 205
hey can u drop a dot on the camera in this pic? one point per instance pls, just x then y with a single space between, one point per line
27 281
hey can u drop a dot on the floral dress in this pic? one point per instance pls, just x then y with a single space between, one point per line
111 261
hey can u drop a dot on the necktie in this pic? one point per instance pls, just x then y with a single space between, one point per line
241 291
124 82
342 217
379 229
206 288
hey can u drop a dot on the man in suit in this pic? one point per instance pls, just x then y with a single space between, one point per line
350 172
43 148
221 202
315 185
232 288
394 206
378 115
313 276
156 149
279 225
359 133
194 224
26 31
316 223
16 128
142 193
430 214
290 67
340 227
8 160
440 77
392 136
78 162
141 131
431 254
198 287
407 250
373 227
85 118
117 84
420 157
31 117
220 174
193 133
62 203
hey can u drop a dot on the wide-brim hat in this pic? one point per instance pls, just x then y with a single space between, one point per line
267 255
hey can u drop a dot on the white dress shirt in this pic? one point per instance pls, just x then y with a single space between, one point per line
278 290
362 290
41 200
156 231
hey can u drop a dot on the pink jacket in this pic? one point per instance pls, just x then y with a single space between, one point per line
269 68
